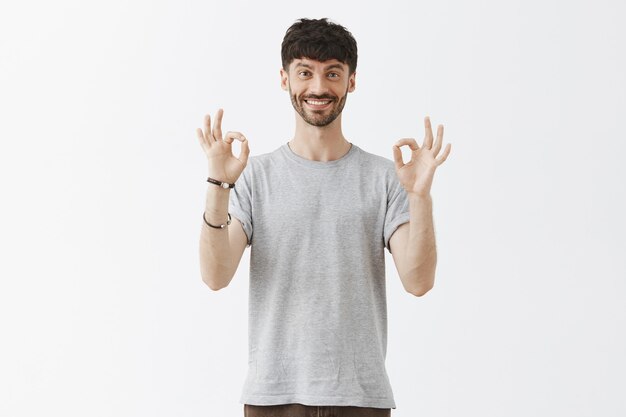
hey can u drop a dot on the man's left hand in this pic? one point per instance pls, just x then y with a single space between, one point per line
416 176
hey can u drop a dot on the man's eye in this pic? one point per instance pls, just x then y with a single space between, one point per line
333 75
304 73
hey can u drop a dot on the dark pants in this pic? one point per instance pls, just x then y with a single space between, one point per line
300 410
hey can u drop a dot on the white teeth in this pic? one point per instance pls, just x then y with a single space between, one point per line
317 103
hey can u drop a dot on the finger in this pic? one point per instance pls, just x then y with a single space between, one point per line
428 139
245 150
397 156
217 128
408 141
444 155
207 130
230 136
397 152
439 141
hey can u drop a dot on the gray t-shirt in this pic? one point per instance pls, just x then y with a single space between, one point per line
317 324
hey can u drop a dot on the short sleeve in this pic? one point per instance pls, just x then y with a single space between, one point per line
397 206
240 202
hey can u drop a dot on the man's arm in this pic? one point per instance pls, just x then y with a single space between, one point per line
220 249
413 247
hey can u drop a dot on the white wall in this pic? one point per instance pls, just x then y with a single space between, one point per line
102 308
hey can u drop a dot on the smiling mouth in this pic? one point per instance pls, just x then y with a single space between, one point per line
318 103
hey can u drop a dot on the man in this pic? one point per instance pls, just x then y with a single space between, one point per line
317 213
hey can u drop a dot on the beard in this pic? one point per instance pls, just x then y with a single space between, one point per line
317 117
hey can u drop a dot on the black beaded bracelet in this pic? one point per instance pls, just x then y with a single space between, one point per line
221 226
220 183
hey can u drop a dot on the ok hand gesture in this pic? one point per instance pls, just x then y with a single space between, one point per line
223 165
416 176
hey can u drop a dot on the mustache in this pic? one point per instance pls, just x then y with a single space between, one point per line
322 97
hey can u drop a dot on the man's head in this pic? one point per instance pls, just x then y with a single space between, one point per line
320 40
319 67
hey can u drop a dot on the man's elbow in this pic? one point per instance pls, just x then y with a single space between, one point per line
421 286
215 284
421 280
420 291
214 287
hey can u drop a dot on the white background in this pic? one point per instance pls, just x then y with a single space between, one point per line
102 308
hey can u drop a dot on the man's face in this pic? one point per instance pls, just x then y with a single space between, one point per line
318 90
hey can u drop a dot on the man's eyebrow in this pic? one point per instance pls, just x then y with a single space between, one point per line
331 66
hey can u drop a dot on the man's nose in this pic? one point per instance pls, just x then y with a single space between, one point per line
318 85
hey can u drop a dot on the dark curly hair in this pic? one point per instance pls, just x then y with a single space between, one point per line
321 40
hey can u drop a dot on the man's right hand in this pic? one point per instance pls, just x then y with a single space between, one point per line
223 165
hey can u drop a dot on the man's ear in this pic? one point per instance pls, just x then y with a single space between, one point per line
284 79
352 82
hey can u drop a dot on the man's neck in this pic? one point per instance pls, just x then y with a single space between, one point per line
319 143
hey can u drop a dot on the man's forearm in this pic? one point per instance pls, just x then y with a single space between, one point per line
421 253
215 254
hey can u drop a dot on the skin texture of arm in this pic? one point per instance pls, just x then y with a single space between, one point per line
413 248
220 249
